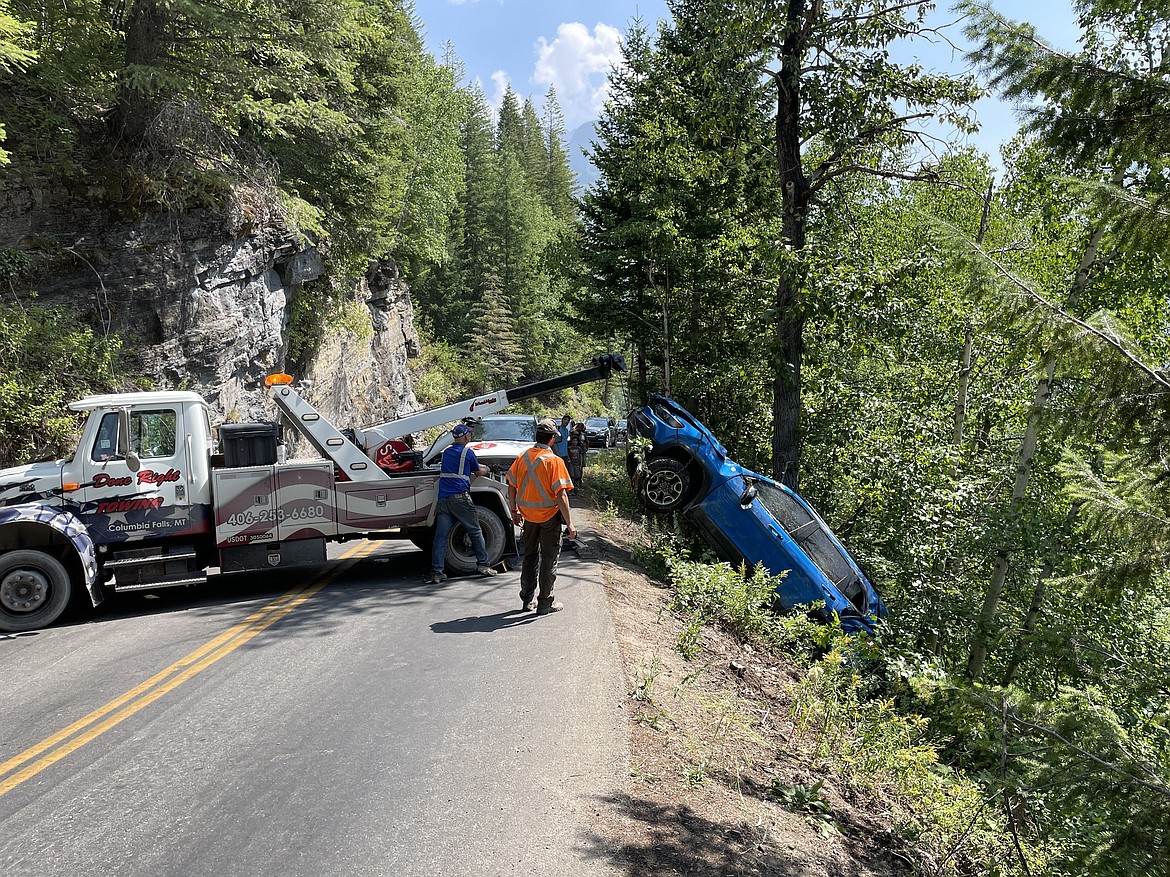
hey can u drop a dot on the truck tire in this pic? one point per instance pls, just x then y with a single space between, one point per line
461 556
34 590
666 484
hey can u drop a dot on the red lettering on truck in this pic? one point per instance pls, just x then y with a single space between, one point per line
149 476
104 480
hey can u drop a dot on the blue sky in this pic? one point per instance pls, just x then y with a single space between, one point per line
532 44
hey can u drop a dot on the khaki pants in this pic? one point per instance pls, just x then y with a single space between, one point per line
542 550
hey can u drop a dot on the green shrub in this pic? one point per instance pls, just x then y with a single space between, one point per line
47 361
871 746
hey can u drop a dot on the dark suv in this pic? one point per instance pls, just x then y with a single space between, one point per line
748 518
600 432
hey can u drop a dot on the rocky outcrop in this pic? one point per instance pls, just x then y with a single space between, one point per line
203 298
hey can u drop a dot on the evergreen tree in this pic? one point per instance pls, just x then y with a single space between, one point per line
535 153
559 182
492 340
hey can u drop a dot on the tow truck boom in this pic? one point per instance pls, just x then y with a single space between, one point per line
371 438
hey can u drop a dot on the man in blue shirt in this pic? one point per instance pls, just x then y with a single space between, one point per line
562 446
454 504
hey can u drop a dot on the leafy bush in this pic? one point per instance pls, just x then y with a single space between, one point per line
873 747
321 304
607 476
47 361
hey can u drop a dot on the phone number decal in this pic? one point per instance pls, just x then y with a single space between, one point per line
268 516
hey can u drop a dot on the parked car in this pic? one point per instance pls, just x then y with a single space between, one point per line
600 432
497 440
748 518
622 433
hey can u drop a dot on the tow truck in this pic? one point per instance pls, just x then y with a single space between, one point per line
148 501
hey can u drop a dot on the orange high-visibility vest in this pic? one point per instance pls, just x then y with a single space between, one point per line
538 475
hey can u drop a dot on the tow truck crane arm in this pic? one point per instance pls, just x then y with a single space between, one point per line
372 438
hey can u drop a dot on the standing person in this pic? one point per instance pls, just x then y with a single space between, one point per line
454 504
576 462
538 489
562 447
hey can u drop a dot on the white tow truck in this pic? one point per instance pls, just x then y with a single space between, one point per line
148 502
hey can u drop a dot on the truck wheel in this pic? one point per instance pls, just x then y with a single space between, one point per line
34 590
460 554
665 484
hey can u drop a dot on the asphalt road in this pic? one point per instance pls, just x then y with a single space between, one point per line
336 720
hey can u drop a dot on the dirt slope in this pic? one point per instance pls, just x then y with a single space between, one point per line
709 738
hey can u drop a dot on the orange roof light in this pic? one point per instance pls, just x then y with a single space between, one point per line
277 379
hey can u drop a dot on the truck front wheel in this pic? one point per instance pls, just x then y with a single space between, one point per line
34 590
666 484
460 554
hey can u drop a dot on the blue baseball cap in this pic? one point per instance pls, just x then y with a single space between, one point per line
461 430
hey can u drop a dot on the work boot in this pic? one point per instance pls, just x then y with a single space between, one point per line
434 578
527 602
486 571
544 607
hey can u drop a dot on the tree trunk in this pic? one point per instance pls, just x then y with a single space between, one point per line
1029 625
666 347
147 40
788 350
985 625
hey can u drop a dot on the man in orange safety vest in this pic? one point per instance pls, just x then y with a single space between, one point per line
538 495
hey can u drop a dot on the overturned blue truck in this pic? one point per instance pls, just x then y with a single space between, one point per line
748 518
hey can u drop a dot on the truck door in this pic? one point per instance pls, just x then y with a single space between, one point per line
120 504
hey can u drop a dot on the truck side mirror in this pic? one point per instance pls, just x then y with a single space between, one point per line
131 458
749 494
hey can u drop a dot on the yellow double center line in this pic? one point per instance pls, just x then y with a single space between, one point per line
52 749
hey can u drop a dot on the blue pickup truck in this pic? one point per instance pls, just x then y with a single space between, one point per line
748 518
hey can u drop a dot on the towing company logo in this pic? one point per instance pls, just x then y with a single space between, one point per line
146 476
113 506
479 402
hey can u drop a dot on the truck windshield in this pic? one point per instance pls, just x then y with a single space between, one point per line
520 429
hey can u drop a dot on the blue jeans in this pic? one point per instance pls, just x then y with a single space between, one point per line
450 509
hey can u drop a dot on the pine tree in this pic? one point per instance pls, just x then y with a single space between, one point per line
492 341
559 180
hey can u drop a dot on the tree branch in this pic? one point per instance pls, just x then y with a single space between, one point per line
1109 341
1158 788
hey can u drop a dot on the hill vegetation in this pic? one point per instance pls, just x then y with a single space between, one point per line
961 365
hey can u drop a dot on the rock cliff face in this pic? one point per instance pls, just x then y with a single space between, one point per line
205 298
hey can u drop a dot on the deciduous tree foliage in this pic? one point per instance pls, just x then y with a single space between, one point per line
14 53
1066 603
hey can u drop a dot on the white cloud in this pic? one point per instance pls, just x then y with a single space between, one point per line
577 64
496 96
